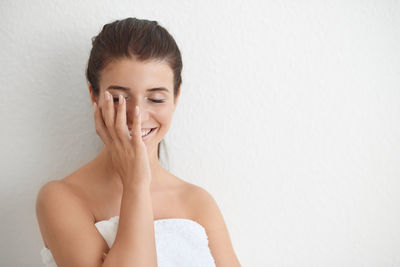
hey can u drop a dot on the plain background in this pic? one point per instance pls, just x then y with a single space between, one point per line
289 116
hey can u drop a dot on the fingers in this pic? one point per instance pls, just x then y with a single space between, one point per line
137 128
108 115
100 125
120 125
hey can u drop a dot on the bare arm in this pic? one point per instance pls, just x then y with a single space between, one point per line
135 242
67 225
68 229
211 217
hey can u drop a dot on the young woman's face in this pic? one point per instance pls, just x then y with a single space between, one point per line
147 84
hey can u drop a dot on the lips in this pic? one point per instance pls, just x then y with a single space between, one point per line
152 130
143 129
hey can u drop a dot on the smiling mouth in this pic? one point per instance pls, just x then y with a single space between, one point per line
145 133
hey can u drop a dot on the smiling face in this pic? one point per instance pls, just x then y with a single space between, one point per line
149 85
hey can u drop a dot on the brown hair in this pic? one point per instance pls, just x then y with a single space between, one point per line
133 38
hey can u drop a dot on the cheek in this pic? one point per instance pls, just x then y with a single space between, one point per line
164 115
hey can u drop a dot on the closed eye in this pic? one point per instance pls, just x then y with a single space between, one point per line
115 99
157 100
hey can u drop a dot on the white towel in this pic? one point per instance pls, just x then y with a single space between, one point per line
179 242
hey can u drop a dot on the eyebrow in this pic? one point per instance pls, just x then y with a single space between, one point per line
117 87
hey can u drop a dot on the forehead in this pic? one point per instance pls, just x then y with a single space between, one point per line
138 75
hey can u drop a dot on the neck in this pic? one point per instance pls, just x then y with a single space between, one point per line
157 171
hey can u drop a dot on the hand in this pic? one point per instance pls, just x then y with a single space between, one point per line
128 153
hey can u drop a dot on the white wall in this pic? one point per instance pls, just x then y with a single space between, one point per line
289 116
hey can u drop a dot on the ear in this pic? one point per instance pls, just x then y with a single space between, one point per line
177 98
91 93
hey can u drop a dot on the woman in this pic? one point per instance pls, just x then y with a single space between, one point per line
123 208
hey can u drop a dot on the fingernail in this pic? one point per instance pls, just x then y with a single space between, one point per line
107 95
137 110
120 99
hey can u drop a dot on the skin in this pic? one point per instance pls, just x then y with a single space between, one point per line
139 77
99 186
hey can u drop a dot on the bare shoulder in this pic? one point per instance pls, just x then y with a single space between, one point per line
208 214
54 186
205 208
54 195
51 194
67 227
55 191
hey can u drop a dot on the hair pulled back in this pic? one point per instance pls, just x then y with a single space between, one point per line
133 38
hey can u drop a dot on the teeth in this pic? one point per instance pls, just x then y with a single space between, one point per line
145 132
